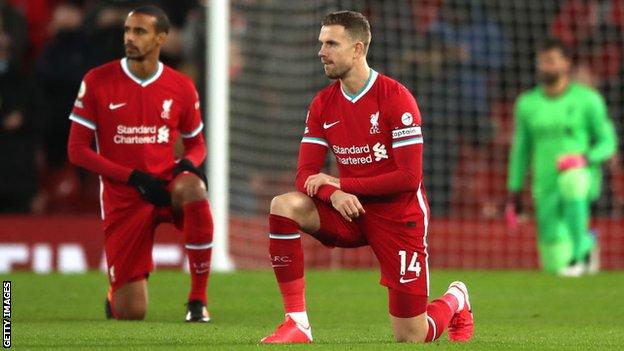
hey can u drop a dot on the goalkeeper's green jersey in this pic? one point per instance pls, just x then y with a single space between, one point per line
575 122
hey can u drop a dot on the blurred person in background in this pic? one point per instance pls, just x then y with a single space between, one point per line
563 134
594 31
454 61
38 14
104 26
59 69
173 52
19 133
15 26
64 59
135 109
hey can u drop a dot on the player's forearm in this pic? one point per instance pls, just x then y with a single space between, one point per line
80 154
518 164
310 161
194 149
516 173
385 184
324 192
515 180
605 146
86 158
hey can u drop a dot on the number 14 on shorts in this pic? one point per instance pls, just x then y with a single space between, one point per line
414 265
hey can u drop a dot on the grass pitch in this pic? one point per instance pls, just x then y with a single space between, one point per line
347 309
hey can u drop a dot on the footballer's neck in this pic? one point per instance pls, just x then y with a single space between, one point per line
355 81
144 68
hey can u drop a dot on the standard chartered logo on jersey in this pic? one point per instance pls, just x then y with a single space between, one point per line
141 135
360 155
163 134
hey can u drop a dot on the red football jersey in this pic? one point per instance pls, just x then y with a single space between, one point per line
136 122
376 139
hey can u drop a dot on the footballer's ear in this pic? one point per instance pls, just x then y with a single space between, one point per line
161 37
360 50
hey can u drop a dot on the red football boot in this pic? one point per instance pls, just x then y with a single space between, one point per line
461 326
289 332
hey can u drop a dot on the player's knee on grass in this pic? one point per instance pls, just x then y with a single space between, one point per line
130 312
130 301
187 188
412 329
296 206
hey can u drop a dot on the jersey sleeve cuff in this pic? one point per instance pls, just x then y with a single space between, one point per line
83 121
346 184
325 192
407 142
194 132
315 140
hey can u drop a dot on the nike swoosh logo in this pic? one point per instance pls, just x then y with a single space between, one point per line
302 327
327 126
115 106
279 265
403 280
202 271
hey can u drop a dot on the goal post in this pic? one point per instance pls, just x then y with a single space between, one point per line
217 127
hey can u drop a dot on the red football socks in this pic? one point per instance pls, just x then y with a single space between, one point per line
287 261
439 314
198 230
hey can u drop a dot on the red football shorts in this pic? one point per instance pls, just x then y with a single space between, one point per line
399 245
129 239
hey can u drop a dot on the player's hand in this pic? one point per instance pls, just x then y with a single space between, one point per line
347 204
571 161
185 165
314 183
152 189
513 208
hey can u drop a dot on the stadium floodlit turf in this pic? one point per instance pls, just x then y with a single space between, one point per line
513 310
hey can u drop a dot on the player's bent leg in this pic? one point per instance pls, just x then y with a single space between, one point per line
289 213
188 194
452 310
187 187
130 301
129 236
298 207
554 244
574 188
408 316
412 329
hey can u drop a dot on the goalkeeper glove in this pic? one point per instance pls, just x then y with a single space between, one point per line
185 165
152 189
571 161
